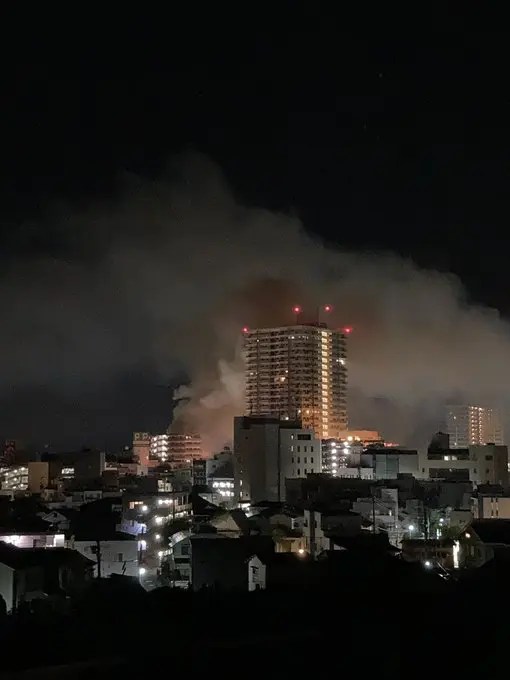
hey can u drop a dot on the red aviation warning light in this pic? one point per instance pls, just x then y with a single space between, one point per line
296 309
328 308
246 329
348 330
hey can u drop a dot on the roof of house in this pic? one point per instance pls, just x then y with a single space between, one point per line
25 525
24 558
492 530
331 511
224 549
364 542
102 535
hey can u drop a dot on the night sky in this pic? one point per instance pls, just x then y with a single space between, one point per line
375 144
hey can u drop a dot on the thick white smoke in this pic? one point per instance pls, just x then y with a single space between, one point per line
170 274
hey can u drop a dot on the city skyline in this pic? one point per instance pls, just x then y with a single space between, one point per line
142 205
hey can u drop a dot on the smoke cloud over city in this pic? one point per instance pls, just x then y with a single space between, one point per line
161 282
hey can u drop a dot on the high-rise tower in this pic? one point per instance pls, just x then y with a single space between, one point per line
470 425
298 373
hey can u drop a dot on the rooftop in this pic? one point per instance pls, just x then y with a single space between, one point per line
24 558
492 530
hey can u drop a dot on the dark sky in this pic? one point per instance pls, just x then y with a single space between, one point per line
377 143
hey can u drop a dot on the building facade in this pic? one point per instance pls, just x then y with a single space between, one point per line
477 464
474 425
298 373
267 452
172 447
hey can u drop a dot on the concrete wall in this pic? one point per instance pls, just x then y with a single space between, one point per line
7 585
117 557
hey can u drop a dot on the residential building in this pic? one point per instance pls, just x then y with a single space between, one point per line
14 478
478 464
88 464
229 564
30 538
218 460
176 447
491 502
118 552
43 475
36 573
321 522
267 452
298 373
221 481
389 462
474 425
340 453
199 472
142 448
491 534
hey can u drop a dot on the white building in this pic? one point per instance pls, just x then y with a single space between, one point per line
267 452
34 539
118 554
472 425
298 373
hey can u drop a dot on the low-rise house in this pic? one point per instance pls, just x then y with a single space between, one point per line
320 522
117 552
35 573
229 564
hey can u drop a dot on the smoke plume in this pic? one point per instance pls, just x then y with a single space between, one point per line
163 279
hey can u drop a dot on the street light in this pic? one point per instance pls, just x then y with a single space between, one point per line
427 564
411 528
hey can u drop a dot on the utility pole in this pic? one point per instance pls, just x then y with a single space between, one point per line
97 551
373 514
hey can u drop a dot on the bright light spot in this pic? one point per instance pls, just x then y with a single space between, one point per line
144 508
346 450
441 520
467 534
456 551
411 527
143 544
347 330
246 329
160 553
427 564
158 520
349 438
158 537
327 308
142 571
301 551
296 309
